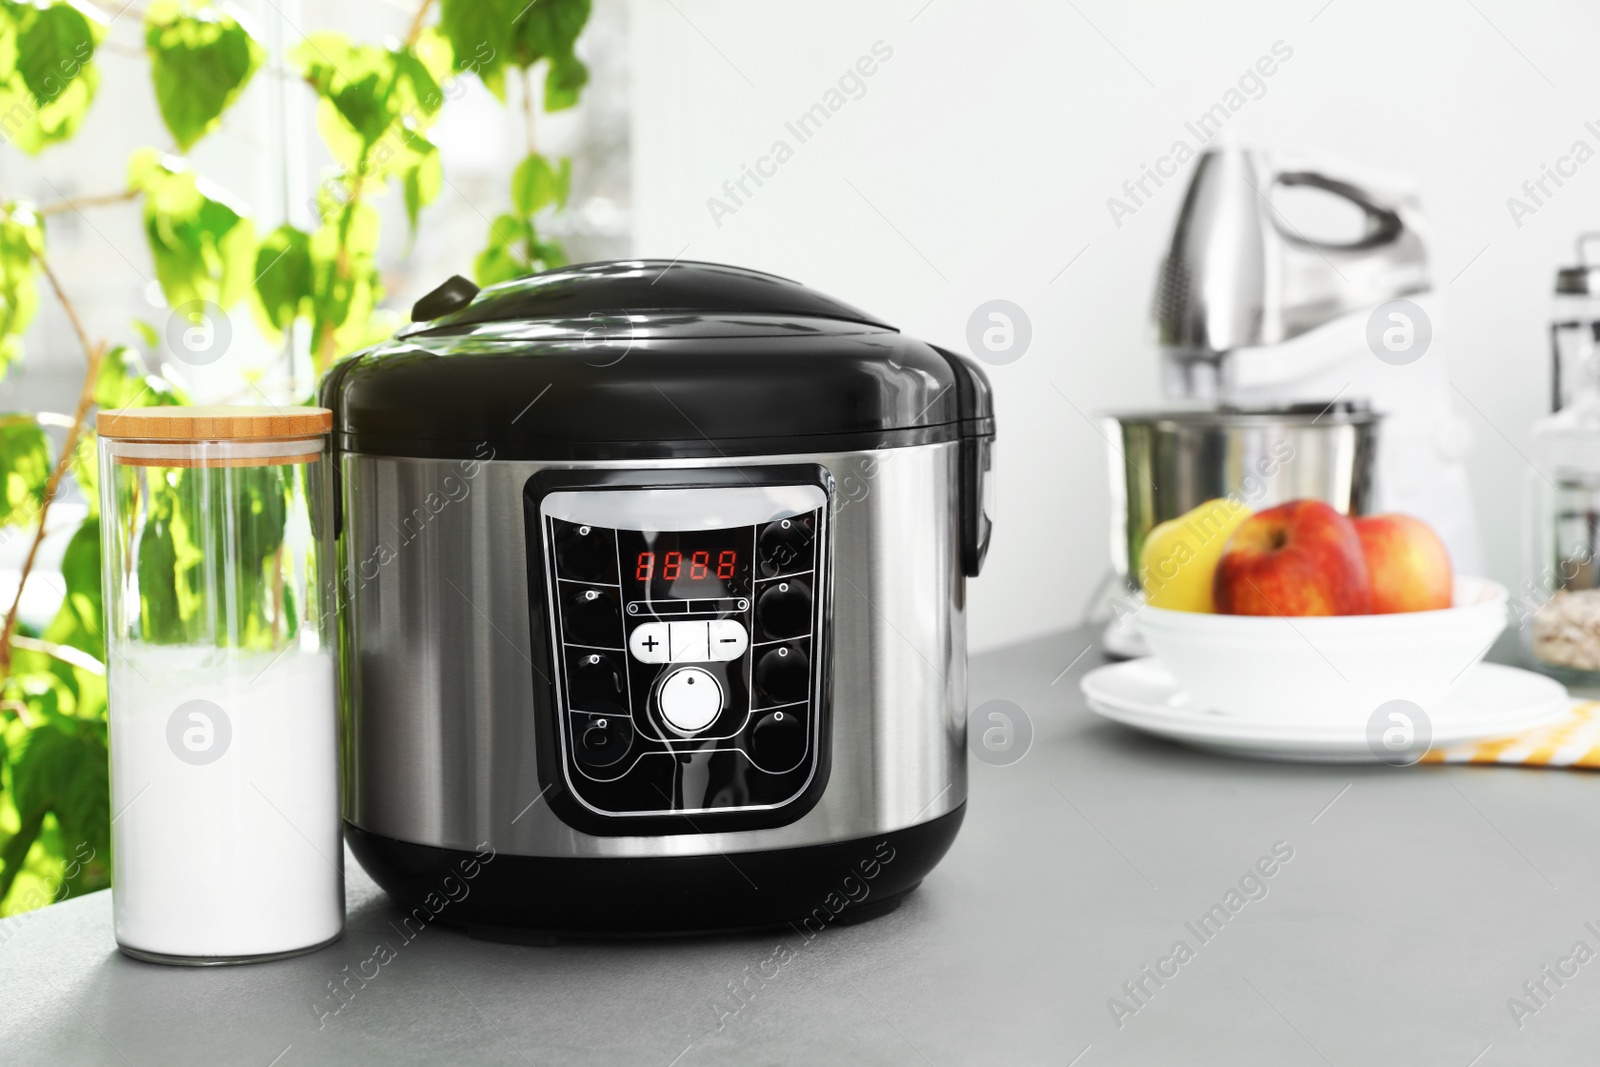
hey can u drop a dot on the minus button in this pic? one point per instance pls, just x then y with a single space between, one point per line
728 639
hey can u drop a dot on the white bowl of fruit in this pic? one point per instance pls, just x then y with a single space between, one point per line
1299 613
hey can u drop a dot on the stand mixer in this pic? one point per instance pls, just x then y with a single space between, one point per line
1286 352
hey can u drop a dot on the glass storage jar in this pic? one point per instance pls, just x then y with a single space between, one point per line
1575 325
1558 603
224 767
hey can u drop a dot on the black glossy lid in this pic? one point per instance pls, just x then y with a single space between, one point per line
646 287
648 359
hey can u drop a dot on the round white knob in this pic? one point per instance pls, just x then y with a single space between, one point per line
690 699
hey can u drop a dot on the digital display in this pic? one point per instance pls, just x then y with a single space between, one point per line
699 564
685 565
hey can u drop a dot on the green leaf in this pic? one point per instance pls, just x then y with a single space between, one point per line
346 145
21 242
515 250
329 275
201 59
564 81
179 600
371 97
411 72
48 79
62 768
346 284
79 620
505 257
118 377
432 49
480 35
147 333
12 14
547 29
284 277
24 469
491 36
422 183
536 184
355 79
86 472
14 857
375 107
165 556
125 382
54 45
204 248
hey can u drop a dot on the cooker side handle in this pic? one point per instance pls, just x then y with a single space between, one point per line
977 501
328 396
975 406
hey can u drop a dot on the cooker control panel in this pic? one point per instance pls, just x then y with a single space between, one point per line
687 632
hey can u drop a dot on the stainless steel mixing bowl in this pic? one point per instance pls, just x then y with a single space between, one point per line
1164 463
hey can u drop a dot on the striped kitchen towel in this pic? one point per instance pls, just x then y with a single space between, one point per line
1570 742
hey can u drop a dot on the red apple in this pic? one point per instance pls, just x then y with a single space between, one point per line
1408 564
1299 558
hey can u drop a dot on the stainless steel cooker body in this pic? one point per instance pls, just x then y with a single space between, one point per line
440 666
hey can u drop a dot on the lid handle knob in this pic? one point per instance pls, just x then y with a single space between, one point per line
455 294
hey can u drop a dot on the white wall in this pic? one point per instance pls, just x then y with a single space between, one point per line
979 161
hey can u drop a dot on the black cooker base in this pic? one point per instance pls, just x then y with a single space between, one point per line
534 898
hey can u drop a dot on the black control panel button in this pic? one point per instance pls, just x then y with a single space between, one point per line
590 617
586 553
783 674
595 679
779 741
785 547
602 740
784 609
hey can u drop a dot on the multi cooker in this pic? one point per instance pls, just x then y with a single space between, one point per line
653 601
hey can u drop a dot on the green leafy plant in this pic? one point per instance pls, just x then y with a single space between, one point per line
494 38
375 106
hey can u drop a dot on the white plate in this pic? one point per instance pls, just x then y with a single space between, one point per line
1490 701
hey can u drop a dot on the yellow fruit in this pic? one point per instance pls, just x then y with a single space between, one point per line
1180 556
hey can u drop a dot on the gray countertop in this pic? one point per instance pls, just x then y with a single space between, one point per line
1415 904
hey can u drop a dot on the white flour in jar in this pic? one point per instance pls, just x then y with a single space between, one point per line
224 791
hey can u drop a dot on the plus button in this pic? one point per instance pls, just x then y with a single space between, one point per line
648 642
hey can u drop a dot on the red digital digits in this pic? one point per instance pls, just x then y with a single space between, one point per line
699 566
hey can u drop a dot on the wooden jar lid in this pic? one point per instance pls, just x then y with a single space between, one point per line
213 422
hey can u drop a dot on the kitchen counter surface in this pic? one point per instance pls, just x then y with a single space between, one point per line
1405 908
